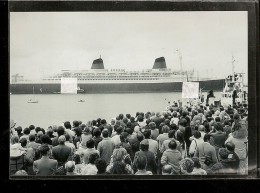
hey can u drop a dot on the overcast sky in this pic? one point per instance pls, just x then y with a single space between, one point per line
43 43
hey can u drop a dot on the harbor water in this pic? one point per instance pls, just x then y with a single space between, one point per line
54 109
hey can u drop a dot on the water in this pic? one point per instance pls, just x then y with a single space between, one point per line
54 109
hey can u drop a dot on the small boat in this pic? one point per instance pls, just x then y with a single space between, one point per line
32 100
79 90
81 100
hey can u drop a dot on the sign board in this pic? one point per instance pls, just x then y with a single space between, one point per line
190 90
69 86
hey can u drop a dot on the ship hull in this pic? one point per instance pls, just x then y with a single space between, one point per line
40 88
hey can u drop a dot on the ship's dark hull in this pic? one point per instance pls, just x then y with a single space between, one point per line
215 85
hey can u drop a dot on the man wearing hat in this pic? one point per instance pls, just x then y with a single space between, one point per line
151 163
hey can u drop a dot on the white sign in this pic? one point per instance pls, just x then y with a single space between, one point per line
69 86
190 90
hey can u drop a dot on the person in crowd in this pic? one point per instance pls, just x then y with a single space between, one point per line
206 153
197 140
172 156
154 131
120 162
61 152
141 163
60 132
167 141
224 166
85 137
21 173
144 151
158 119
45 166
227 127
153 144
197 170
163 136
69 144
90 168
175 118
167 170
87 152
70 168
133 141
116 139
32 129
77 138
219 136
180 139
106 147
68 130
241 148
26 133
97 138
19 131
50 132
186 166
187 134
101 166
232 156
124 143
35 146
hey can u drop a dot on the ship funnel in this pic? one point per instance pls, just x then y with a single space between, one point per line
97 64
159 63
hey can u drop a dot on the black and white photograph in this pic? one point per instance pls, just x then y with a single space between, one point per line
128 93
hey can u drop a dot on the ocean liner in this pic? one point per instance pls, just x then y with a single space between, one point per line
101 80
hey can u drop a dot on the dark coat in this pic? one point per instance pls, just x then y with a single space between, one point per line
61 153
45 166
151 163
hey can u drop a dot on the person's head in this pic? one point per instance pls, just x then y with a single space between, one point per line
19 129
140 118
208 138
196 162
217 119
119 130
45 139
121 116
119 154
144 145
103 121
105 133
165 129
26 131
129 131
75 123
174 114
167 170
128 116
97 132
44 149
125 120
218 126
123 137
87 130
226 122
197 134
60 130
37 129
186 165
90 143
61 139
31 127
172 144
167 122
183 122
132 119
78 131
147 133
139 136
230 146
23 142
67 136
223 153
158 114
94 122
31 137
101 165
171 134
152 125
173 126
141 162
70 166
67 125
92 158
21 173
14 139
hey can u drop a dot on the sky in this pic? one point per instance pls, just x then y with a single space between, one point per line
43 43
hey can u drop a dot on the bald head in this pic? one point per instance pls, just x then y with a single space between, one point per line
70 166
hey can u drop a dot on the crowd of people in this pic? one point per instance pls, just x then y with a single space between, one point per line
194 139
